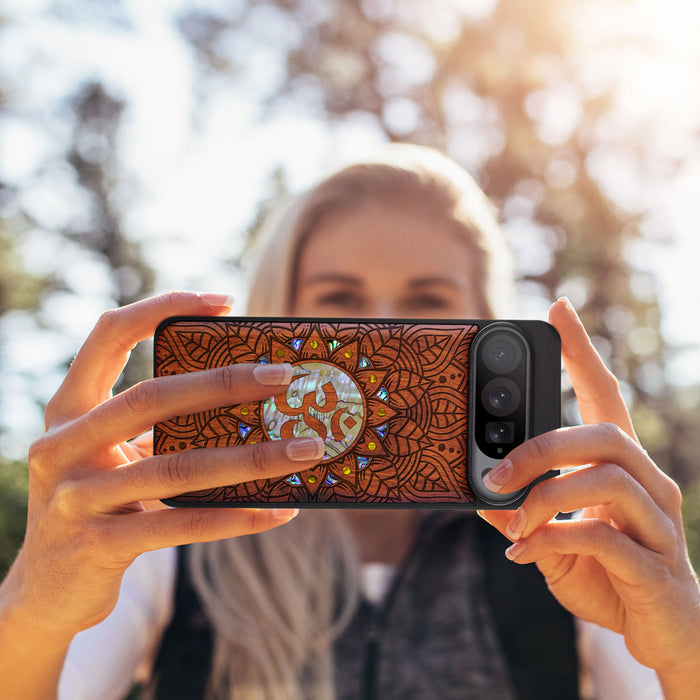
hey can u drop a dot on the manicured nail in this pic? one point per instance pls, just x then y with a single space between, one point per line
305 449
218 300
273 375
499 476
569 306
285 514
516 525
515 550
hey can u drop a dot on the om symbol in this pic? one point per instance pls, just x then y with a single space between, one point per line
321 400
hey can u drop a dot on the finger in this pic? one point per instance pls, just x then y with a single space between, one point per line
166 476
579 445
614 550
156 529
131 452
140 407
497 518
143 444
608 486
138 448
596 388
105 352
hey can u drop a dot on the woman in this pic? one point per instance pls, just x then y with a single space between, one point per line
411 236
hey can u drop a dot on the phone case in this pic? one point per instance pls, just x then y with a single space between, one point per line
390 398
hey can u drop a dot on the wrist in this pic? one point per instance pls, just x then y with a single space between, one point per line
682 681
18 618
32 657
27 631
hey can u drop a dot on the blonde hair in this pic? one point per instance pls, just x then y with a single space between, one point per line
405 175
277 600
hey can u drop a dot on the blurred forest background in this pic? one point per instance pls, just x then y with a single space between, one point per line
579 118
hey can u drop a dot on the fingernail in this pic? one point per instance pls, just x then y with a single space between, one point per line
304 449
569 306
218 300
515 550
516 525
499 476
273 375
285 514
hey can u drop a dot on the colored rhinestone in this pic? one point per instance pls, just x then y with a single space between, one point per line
348 354
279 352
381 412
312 479
372 378
313 344
346 470
372 446
245 411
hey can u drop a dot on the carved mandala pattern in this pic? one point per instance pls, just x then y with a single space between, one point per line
389 399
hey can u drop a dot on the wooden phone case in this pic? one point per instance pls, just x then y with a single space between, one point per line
389 397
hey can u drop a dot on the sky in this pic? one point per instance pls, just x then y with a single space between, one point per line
190 190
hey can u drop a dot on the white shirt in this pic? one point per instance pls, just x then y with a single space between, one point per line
104 661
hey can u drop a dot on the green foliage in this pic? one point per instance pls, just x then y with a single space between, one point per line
18 289
691 521
14 483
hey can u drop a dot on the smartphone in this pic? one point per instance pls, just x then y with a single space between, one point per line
413 413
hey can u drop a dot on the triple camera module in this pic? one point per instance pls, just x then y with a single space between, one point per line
501 379
500 403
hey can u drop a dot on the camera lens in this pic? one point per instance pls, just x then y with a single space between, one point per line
502 353
500 396
499 432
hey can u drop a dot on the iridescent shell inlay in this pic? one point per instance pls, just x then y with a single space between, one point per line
322 400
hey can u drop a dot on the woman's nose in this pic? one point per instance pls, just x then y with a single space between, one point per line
383 307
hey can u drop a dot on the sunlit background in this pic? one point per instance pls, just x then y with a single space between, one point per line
139 140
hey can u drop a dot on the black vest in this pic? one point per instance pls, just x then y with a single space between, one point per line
534 635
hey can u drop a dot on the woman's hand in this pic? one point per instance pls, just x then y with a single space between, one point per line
88 517
624 564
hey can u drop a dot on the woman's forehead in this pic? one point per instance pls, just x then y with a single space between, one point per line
383 237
